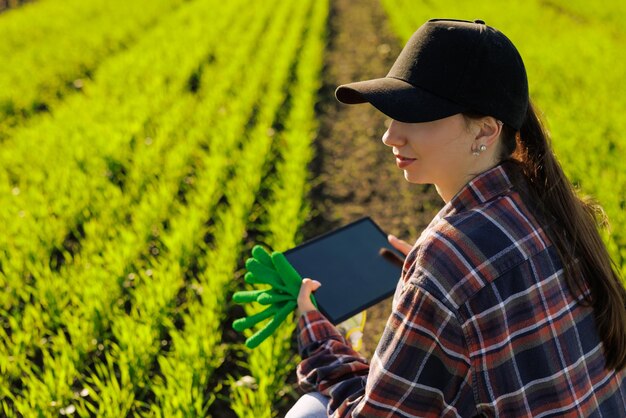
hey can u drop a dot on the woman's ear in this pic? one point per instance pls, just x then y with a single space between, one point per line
489 128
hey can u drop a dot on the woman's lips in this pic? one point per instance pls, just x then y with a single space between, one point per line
403 162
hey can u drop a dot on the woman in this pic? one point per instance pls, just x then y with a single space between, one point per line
508 304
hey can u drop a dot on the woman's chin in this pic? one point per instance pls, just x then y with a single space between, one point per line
414 178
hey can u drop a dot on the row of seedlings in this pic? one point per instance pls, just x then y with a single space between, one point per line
285 211
103 258
145 332
49 48
197 342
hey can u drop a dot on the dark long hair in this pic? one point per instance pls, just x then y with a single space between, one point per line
574 231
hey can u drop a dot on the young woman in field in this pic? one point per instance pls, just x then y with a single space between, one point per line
508 304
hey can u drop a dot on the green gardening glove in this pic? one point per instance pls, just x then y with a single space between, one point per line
284 281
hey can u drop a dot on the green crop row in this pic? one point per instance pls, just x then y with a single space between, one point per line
283 213
49 206
187 366
110 259
254 160
51 288
92 162
573 56
153 283
124 230
49 48
600 14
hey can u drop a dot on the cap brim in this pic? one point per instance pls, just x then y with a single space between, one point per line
398 99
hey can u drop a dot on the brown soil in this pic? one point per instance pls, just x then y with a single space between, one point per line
11 4
354 172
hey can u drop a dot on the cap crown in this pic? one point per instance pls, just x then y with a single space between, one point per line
469 63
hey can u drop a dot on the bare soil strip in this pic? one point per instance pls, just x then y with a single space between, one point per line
354 173
12 4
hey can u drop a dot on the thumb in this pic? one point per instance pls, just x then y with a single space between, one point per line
304 296
400 245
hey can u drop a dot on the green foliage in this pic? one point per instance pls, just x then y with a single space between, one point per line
125 206
258 390
65 42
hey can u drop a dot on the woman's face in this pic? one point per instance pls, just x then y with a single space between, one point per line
437 152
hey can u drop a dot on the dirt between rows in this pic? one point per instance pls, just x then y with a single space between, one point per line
354 172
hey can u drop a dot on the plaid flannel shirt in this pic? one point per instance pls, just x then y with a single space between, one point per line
482 324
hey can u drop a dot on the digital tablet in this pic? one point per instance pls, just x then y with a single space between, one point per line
355 264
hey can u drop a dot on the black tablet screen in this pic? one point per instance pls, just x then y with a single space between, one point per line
355 264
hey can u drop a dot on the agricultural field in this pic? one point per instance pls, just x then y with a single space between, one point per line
146 146
133 169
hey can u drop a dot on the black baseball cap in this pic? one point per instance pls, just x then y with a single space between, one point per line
449 66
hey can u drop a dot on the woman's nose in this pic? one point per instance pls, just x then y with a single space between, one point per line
392 137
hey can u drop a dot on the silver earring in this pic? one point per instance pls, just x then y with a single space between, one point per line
476 152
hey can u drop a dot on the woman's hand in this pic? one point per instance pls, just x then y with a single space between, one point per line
400 245
304 297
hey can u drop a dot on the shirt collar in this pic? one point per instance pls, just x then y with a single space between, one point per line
484 187
489 184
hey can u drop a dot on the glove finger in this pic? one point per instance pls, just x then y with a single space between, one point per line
260 254
250 321
251 278
271 326
263 273
289 274
247 296
271 297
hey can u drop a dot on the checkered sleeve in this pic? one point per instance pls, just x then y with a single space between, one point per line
421 367
327 357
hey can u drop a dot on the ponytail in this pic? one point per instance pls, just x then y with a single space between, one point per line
574 232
